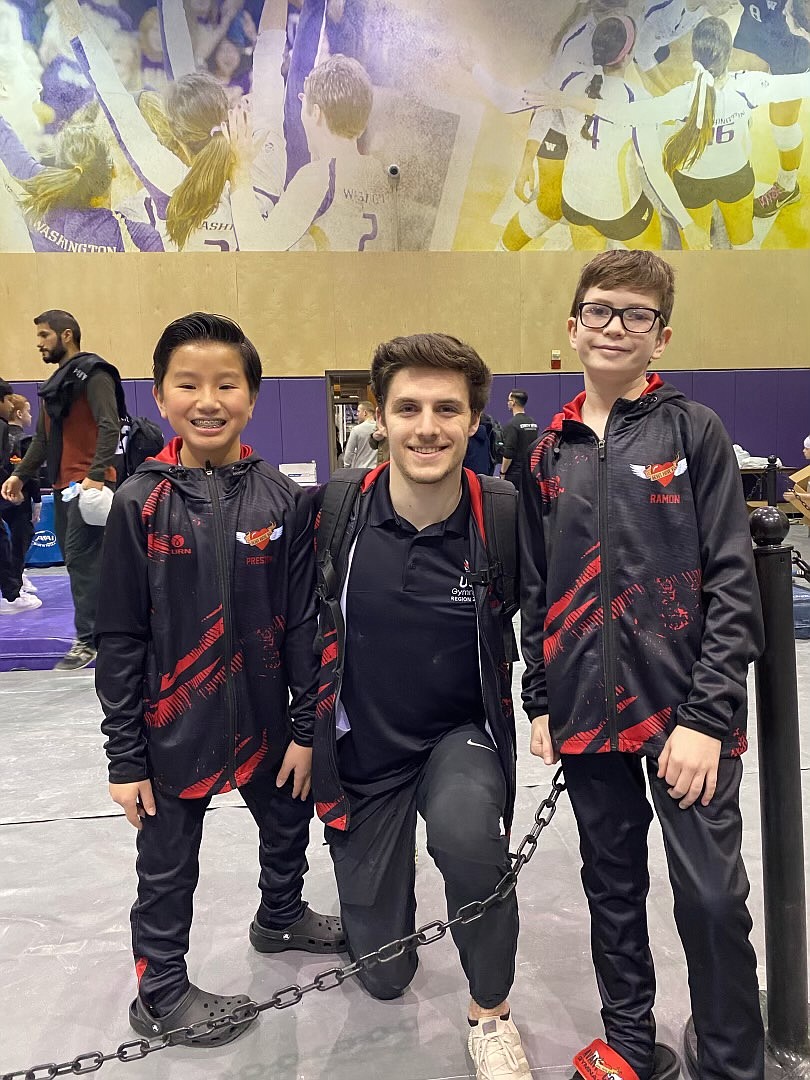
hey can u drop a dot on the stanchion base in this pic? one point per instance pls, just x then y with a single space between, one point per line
780 1064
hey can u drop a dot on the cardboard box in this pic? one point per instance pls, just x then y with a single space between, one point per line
799 497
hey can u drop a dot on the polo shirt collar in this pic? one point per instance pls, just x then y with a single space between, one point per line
383 515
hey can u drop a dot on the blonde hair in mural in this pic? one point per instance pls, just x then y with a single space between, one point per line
80 178
188 121
711 49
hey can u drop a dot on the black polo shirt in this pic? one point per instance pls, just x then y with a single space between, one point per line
411 672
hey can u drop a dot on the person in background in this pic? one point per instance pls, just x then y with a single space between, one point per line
78 431
22 518
13 601
518 436
359 453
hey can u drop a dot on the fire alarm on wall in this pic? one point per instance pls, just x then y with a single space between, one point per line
556 360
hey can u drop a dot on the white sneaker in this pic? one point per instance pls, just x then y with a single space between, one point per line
28 586
24 602
496 1050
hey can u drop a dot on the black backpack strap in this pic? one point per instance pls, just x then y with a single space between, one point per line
500 503
339 501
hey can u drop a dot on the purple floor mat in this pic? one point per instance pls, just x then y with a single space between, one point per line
35 640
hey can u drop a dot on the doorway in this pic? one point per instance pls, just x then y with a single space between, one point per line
344 392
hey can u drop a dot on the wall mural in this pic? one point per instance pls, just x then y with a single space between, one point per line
383 125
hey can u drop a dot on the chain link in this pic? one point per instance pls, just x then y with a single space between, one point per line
138 1049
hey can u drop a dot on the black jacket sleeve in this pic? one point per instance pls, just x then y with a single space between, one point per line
533 607
37 451
122 638
301 664
732 630
104 407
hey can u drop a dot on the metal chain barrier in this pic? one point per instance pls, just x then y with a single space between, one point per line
137 1049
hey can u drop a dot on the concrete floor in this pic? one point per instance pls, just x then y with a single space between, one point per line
68 880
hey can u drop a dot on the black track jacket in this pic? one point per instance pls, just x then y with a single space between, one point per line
648 524
205 624
331 802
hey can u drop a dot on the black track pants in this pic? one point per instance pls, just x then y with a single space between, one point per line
18 519
81 548
168 870
460 793
710 888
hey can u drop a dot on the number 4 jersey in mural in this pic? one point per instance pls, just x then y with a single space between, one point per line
402 125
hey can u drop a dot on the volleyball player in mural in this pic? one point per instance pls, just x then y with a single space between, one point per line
661 27
342 200
619 155
182 155
67 205
546 145
767 39
708 155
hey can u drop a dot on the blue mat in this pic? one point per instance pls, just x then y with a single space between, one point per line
35 640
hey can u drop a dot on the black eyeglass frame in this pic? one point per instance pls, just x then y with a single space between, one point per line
620 312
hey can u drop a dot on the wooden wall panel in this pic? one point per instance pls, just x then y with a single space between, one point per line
309 312
473 295
286 307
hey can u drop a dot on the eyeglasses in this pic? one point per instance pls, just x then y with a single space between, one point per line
636 320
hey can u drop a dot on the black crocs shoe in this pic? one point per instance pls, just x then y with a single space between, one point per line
312 933
666 1064
194 1007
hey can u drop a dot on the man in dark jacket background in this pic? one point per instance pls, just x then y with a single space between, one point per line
78 431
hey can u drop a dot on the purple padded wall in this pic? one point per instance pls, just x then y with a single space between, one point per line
305 426
716 389
681 380
263 432
571 384
793 413
143 404
756 425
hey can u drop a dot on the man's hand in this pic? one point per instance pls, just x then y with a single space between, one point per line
541 744
88 483
136 800
688 764
11 490
298 763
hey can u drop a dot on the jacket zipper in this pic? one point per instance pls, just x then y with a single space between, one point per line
341 643
225 591
608 636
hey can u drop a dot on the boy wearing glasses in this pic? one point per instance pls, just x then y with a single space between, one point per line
640 618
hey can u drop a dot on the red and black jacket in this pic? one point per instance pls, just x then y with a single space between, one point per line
331 802
648 525
205 624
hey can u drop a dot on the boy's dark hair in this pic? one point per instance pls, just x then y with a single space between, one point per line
430 351
639 270
60 321
520 397
202 326
5 389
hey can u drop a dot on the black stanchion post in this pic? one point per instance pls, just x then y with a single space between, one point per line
770 481
786 1001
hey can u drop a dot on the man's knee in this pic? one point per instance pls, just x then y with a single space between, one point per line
388 981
